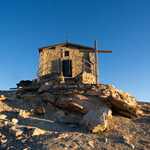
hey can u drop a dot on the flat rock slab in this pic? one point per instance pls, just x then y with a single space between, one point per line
121 105
19 130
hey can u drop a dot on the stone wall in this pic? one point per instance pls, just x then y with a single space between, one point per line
82 78
86 78
53 60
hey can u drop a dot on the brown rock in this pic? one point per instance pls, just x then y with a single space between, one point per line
92 92
11 98
40 111
126 114
78 103
36 102
62 102
45 87
50 106
29 97
47 97
59 114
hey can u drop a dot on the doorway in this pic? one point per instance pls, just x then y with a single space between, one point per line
67 68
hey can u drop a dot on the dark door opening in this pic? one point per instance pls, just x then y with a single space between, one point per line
67 68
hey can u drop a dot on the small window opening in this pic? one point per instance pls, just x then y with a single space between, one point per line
66 53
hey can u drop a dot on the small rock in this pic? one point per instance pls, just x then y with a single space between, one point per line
16 130
2 98
22 114
3 116
34 131
126 139
91 144
105 140
92 92
5 123
59 114
23 140
40 111
50 106
14 120
3 141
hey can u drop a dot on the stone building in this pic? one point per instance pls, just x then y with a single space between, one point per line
66 58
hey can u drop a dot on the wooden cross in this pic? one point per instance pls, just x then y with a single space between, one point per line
96 60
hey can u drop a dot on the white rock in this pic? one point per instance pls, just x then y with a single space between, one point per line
14 120
91 144
3 116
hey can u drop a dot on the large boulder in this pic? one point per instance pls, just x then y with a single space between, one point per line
78 103
95 121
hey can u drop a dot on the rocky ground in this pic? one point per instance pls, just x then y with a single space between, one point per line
59 128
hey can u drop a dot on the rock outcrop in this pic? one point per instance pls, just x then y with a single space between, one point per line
78 103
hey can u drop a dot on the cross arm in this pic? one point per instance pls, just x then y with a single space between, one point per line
99 51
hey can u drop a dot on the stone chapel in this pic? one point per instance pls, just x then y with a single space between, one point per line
66 58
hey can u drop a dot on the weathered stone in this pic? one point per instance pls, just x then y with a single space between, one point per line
22 114
40 111
16 130
91 144
36 102
121 105
78 103
59 114
3 116
108 112
78 91
126 114
45 87
33 131
95 121
50 106
12 98
29 97
47 97
92 92
14 120
72 86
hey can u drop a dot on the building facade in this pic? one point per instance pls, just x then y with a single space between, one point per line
66 58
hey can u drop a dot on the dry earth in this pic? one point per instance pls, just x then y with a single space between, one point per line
65 136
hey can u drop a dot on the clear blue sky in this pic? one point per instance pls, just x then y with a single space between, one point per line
119 25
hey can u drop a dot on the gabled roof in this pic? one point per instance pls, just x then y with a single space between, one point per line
68 44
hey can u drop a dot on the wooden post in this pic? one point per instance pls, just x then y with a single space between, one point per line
96 62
